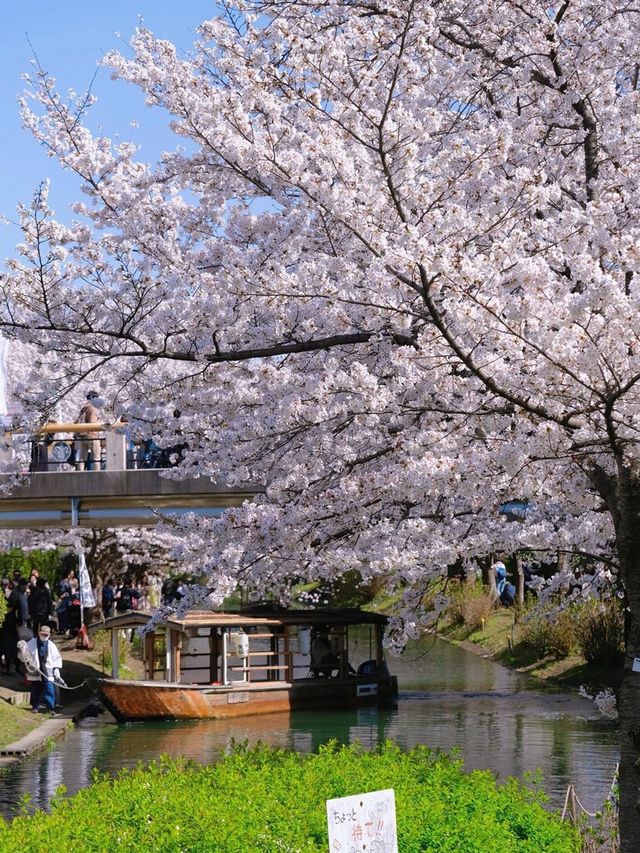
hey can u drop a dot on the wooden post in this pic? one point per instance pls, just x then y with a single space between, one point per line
343 656
116 450
274 658
346 648
177 648
170 659
288 655
149 655
379 649
225 671
520 579
115 652
213 654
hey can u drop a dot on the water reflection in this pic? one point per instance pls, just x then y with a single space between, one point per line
450 699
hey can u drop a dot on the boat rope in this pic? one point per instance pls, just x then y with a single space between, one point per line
30 665
62 684
572 801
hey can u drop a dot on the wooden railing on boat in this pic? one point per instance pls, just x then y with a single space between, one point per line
203 648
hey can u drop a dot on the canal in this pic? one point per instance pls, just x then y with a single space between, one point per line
449 699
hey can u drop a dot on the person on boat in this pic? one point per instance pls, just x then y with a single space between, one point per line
47 663
323 657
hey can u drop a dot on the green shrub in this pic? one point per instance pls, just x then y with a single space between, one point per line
102 646
600 632
260 800
470 604
550 632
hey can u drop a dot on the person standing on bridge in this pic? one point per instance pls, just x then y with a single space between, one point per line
87 446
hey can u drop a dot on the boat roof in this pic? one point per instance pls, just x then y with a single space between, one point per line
250 617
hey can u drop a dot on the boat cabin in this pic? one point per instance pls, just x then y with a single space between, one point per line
220 664
250 646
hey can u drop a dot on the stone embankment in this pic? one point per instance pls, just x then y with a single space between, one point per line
51 728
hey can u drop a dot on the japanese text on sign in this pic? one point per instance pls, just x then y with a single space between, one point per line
364 823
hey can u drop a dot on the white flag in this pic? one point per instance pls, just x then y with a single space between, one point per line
87 598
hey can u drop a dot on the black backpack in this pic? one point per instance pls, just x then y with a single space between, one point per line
124 602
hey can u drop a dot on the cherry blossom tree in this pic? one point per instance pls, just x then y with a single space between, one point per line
389 275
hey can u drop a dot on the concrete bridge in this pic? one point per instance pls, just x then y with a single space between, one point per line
67 489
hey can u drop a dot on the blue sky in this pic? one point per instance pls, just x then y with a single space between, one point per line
69 37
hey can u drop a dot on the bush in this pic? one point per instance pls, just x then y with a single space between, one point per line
470 604
600 632
266 800
550 632
102 648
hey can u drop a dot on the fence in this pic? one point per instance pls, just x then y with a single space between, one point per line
94 447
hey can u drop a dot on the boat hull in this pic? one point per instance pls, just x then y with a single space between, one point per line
147 700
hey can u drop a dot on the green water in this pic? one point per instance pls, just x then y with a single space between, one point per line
449 699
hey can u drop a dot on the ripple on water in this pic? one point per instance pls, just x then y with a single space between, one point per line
450 699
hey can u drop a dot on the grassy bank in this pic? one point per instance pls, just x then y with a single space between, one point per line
16 721
273 800
502 636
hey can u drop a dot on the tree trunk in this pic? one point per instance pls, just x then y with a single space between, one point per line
489 578
628 542
629 776
470 576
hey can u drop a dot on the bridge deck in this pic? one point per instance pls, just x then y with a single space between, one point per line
111 499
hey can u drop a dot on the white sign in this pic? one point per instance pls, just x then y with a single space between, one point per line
364 822
635 667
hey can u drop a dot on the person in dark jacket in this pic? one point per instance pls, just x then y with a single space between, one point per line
9 638
126 596
19 603
108 595
15 625
40 604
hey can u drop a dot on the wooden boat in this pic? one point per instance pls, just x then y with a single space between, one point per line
229 664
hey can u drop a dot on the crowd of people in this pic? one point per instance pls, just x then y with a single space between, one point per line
32 604
129 594
29 607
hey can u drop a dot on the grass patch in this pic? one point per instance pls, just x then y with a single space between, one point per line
266 800
15 722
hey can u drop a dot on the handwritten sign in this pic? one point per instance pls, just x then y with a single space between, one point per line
365 822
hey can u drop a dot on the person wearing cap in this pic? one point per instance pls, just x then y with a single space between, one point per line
87 448
48 663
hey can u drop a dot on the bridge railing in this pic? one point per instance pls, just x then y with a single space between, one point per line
94 447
